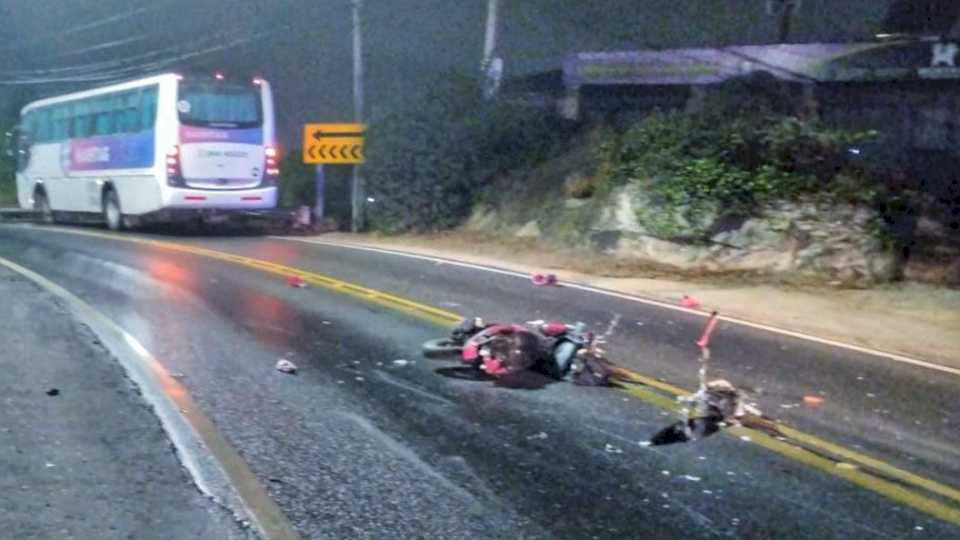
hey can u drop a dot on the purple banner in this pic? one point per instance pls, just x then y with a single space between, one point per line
127 151
196 134
800 62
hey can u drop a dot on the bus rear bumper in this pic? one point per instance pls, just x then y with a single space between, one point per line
202 199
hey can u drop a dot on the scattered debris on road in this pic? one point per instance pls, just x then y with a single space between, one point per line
611 449
53 392
286 366
539 436
296 282
401 362
544 280
812 401
690 302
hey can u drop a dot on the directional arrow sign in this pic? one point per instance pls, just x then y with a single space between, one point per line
334 144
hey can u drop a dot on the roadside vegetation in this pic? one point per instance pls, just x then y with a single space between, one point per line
740 152
298 186
432 159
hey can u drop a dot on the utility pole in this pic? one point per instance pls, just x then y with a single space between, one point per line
491 67
490 38
357 192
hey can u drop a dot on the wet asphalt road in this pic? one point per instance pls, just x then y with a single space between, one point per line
361 446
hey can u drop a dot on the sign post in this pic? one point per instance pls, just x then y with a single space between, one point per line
331 144
320 182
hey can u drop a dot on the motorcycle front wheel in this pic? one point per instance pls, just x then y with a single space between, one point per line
436 348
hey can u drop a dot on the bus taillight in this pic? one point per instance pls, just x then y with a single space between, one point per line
174 176
271 169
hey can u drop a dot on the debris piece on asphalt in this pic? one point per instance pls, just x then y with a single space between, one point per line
541 280
918 528
645 443
665 472
177 375
690 302
538 436
359 379
745 438
692 478
296 282
611 449
401 362
53 392
326 323
871 395
286 366
706 492
812 401
449 304
50 465
789 405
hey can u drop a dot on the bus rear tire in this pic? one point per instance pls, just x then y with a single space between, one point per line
112 214
42 204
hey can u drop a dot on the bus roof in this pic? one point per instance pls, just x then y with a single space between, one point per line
126 85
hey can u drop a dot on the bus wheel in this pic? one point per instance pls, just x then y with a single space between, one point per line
42 204
111 211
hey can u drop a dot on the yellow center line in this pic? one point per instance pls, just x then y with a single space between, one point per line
858 476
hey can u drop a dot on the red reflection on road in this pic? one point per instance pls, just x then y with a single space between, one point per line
172 273
271 319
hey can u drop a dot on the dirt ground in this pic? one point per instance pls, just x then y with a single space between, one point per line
912 319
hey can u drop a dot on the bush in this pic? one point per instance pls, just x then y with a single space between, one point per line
428 162
699 163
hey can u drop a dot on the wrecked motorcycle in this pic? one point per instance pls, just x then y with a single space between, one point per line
501 349
715 405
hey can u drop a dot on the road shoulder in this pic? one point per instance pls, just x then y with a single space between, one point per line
83 454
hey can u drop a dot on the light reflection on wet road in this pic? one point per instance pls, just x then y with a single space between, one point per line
358 445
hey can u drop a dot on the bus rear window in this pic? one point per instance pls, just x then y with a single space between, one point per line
218 105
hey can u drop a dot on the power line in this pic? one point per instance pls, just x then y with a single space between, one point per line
129 71
85 26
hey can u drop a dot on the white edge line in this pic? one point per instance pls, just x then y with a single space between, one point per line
573 285
146 372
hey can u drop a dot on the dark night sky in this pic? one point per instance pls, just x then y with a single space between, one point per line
303 46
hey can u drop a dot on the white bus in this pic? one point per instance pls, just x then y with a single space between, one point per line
157 148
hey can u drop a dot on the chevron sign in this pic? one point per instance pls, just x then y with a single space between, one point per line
333 144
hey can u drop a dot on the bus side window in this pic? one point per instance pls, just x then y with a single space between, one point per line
82 120
126 117
103 124
44 127
61 122
148 106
